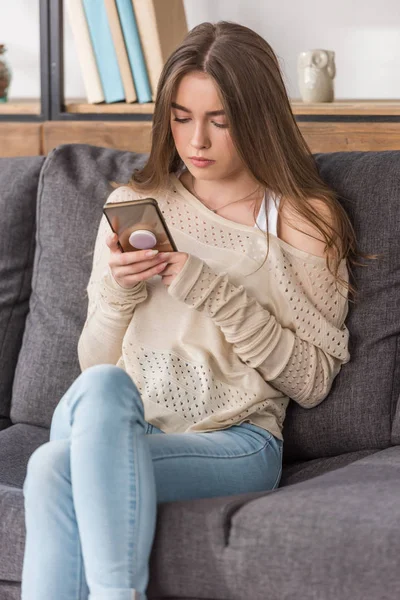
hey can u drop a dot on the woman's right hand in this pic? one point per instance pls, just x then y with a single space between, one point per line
129 268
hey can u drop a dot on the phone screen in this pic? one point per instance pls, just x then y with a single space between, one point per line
134 215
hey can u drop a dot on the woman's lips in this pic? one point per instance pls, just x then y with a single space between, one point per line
202 163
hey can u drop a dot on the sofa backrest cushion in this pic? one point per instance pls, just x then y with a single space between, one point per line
73 187
18 188
358 410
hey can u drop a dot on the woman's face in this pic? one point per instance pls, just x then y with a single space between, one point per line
197 133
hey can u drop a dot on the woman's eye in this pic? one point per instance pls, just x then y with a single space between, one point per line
186 120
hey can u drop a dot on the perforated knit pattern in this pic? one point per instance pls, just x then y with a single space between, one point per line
116 297
206 352
319 307
190 389
210 292
317 381
181 216
299 369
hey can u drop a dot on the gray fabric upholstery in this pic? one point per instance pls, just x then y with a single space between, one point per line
213 554
10 590
360 408
334 537
330 530
73 187
18 187
19 441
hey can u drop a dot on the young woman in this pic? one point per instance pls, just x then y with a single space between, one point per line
189 359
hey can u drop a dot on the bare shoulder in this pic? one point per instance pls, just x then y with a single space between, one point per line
309 239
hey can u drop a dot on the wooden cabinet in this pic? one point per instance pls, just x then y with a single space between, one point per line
20 139
136 136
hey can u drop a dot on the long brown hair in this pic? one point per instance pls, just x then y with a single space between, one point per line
247 75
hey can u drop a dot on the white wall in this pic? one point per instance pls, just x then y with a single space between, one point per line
365 35
19 31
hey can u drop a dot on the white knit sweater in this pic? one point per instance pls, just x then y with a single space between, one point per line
225 342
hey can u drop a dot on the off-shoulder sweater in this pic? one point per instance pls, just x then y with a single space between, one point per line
233 338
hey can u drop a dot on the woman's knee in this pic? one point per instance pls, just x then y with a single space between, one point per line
47 466
104 374
108 385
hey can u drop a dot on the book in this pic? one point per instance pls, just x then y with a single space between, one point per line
120 49
104 51
84 49
162 27
134 49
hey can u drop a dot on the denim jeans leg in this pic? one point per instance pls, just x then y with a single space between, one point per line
240 459
53 565
111 477
98 481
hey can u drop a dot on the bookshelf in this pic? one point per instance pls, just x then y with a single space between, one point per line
52 106
37 109
365 109
23 107
60 110
29 127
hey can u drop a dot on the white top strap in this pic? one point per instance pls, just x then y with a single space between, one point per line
273 204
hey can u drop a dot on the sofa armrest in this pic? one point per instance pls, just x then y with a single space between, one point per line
337 534
334 536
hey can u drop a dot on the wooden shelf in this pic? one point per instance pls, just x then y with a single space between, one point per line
347 107
20 107
82 107
338 107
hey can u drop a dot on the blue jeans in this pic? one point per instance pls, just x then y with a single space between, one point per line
91 491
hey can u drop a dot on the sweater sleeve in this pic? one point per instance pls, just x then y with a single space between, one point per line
302 370
110 309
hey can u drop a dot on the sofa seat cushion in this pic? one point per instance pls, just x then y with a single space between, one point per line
17 443
199 526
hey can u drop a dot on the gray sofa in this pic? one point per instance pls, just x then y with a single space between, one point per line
331 531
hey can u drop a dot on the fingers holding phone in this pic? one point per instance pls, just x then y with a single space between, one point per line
129 268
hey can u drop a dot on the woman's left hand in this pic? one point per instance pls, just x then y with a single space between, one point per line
176 261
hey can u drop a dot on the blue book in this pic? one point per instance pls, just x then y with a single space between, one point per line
134 50
103 46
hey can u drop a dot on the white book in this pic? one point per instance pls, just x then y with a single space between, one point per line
84 48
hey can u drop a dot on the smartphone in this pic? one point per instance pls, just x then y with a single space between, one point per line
139 224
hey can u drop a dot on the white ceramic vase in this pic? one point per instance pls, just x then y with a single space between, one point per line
316 71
